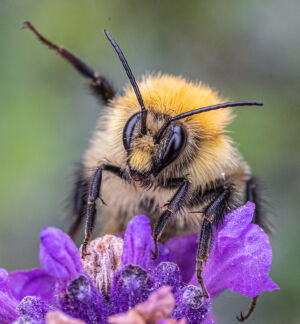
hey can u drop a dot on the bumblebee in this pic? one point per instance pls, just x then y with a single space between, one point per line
160 144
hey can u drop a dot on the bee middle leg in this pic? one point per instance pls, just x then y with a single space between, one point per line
93 194
172 207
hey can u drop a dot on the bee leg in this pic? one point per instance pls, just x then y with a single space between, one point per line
93 194
253 196
214 214
178 200
251 309
259 217
100 86
79 202
203 252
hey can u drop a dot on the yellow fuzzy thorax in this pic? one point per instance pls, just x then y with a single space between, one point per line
173 95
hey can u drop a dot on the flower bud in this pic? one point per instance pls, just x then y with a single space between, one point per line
167 274
130 286
102 259
33 308
82 300
191 305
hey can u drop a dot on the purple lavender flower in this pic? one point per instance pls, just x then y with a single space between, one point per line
34 282
118 276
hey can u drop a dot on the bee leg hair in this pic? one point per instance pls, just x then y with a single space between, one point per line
178 200
100 86
94 191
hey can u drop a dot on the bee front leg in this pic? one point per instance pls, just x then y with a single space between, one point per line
94 193
177 202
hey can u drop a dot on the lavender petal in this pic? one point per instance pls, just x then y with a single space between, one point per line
178 248
4 287
58 317
7 308
59 255
35 282
138 242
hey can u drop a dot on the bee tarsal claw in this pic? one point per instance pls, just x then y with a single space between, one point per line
155 252
83 250
240 318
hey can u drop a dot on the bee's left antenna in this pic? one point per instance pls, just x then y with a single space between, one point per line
131 78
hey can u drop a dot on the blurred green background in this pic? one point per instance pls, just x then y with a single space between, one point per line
248 50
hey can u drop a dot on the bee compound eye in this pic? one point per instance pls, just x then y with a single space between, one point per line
174 145
129 129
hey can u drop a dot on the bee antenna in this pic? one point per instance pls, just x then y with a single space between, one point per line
204 109
131 78
219 106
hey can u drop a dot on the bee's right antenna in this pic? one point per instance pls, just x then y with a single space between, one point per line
131 78
202 110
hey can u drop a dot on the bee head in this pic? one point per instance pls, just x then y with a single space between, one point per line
150 153
150 150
